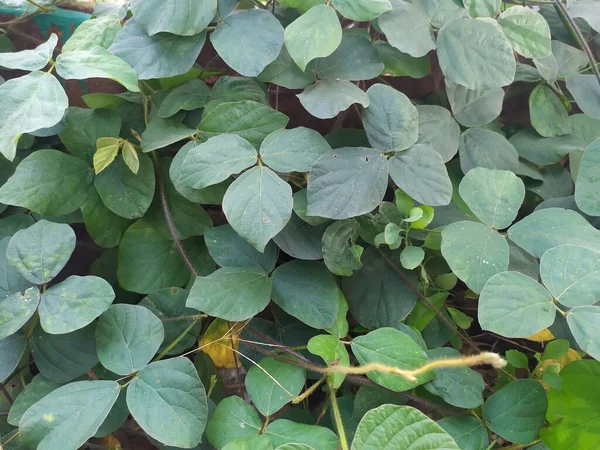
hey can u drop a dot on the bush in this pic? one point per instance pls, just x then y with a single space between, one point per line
353 283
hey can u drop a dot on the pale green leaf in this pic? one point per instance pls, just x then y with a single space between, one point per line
17 309
192 95
411 257
11 280
327 98
179 17
583 322
468 432
543 151
482 8
232 419
333 352
479 147
284 431
587 10
441 12
294 150
407 28
527 31
586 91
100 31
587 180
474 107
107 151
35 59
438 130
547 113
284 72
362 10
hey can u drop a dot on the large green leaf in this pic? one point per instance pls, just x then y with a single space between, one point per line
104 226
248 41
48 182
249 120
12 349
340 254
586 91
258 205
438 130
527 31
284 72
160 133
574 411
215 160
11 280
391 121
347 182
571 274
379 293
284 431
100 31
474 149
17 309
474 252
420 172
587 180
362 10
34 59
407 28
514 305
551 227
231 293
192 95
583 323
294 150
307 291
74 303
41 251
127 338
96 63
34 101
474 107
327 98
516 412
317 33
393 348
232 419
468 432
392 427
160 56
543 151
494 196
301 240
68 416
174 16
272 384
475 54
167 399
123 192
547 113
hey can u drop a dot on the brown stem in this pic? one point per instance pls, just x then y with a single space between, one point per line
6 394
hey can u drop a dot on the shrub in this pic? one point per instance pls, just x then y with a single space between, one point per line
352 282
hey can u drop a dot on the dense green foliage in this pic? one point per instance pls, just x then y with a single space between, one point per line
342 279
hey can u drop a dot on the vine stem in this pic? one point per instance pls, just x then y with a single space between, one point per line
580 38
338 417
176 341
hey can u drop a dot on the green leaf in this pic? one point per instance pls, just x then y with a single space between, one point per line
475 54
468 432
68 416
100 31
390 120
192 95
232 419
340 254
236 89
400 428
340 327
167 399
284 72
421 173
33 392
215 160
11 280
16 310
411 257
407 28
12 350
543 151
379 293
178 17
257 205
41 251
272 384
474 107
126 194
327 98
589 170
63 357
355 59
482 8
438 130
48 182
347 182
96 63
248 41
231 293
547 112
160 56
294 150
583 323
527 31
252 443
301 240
586 91
300 206
104 226
35 59
307 291
249 120
128 337
284 431
495 196
161 133
571 274
74 303
551 227
474 151
333 352
106 152
556 349
393 348
401 64
169 303
362 10
575 405
516 412
474 252
317 33
514 305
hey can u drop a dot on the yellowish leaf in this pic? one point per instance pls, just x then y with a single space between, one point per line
107 149
541 336
131 157
217 341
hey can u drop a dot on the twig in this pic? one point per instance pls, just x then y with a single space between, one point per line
6 394
338 418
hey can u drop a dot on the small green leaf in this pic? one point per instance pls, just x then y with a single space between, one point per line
131 157
556 349
232 419
192 95
105 227
12 350
547 112
184 18
161 133
284 72
284 431
411 257
317 33
16 310
272 384
401 64
527 31
294 150
11 280
362 10
107 149
474 107
407 28
586 91
169 392
474 151
340 254
35 59
327 98
585 185
100 31
468 432
333 352
438 130
583 323
543 151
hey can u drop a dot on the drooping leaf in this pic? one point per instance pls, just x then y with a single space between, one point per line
362 10
583 323
232 419
325 99
106 152
547 112
178 17
543 151
35 59
408 29
485 148
294 150
11 280
12 349
468 432
527 31
167 399
585 185
474 107
586 91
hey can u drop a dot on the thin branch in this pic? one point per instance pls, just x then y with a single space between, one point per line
6 394
338 418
